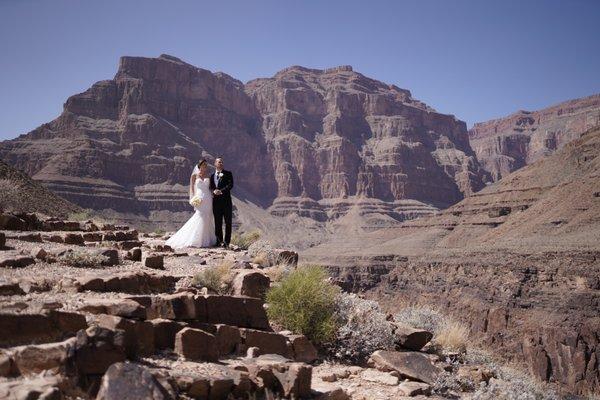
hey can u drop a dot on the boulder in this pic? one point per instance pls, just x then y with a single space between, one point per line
73 238
410 338
39 387
251 284
112 257
92 237
178 306
283 256
12 223
13 259
130 381
139 335
152 260
409 364
6 364
196 344
302 348
244 312
165 331
97 349
39 253
267 342
18 329
229 339
290 379
408 388
33 359
129 244
134 254
10 288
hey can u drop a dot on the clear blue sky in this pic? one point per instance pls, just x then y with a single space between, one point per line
475 59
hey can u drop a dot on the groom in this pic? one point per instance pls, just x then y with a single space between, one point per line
221 183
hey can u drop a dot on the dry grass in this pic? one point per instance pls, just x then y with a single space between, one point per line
262 259
83 259
278 272
449 335
244 240
452 336
216 279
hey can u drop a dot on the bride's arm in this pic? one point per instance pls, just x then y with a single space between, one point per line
192 186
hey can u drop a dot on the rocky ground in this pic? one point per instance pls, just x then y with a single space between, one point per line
101 311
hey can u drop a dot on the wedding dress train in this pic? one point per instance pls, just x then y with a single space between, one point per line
199 230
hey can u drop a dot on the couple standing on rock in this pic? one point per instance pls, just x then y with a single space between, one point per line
210 195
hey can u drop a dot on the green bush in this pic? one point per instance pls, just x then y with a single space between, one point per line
305 302
244 240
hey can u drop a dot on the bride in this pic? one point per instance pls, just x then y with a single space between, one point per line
199 230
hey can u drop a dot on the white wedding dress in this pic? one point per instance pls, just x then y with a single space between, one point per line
199 230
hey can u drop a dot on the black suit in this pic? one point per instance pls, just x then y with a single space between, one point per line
222 205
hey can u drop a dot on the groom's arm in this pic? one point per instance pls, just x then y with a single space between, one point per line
227 188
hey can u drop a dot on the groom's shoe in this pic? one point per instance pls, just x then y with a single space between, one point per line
225 245
217 245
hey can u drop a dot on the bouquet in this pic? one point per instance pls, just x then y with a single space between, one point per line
195 201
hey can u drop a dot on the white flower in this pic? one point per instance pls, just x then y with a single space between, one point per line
195 201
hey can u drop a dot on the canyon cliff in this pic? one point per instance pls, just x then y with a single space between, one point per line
316 143
506 144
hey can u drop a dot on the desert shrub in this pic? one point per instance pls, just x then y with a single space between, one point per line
244 240
362 329
304 302
261 248
83 259
83 215
513 384
159 231
447 382
216 279
420 317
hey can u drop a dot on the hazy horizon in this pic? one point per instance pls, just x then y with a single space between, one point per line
477 60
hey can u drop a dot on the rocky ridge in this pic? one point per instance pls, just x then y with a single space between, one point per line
21 194
132 324
506 144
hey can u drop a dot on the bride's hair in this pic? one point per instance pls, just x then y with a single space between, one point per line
203 161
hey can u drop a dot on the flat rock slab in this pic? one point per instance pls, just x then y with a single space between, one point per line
18 329
409 364
130 381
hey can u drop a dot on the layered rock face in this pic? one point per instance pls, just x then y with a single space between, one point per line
517 261
507 144
130 143
334 134
297 142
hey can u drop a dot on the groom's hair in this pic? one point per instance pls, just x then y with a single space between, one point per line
218 158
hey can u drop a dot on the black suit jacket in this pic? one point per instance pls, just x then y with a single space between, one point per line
225 185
